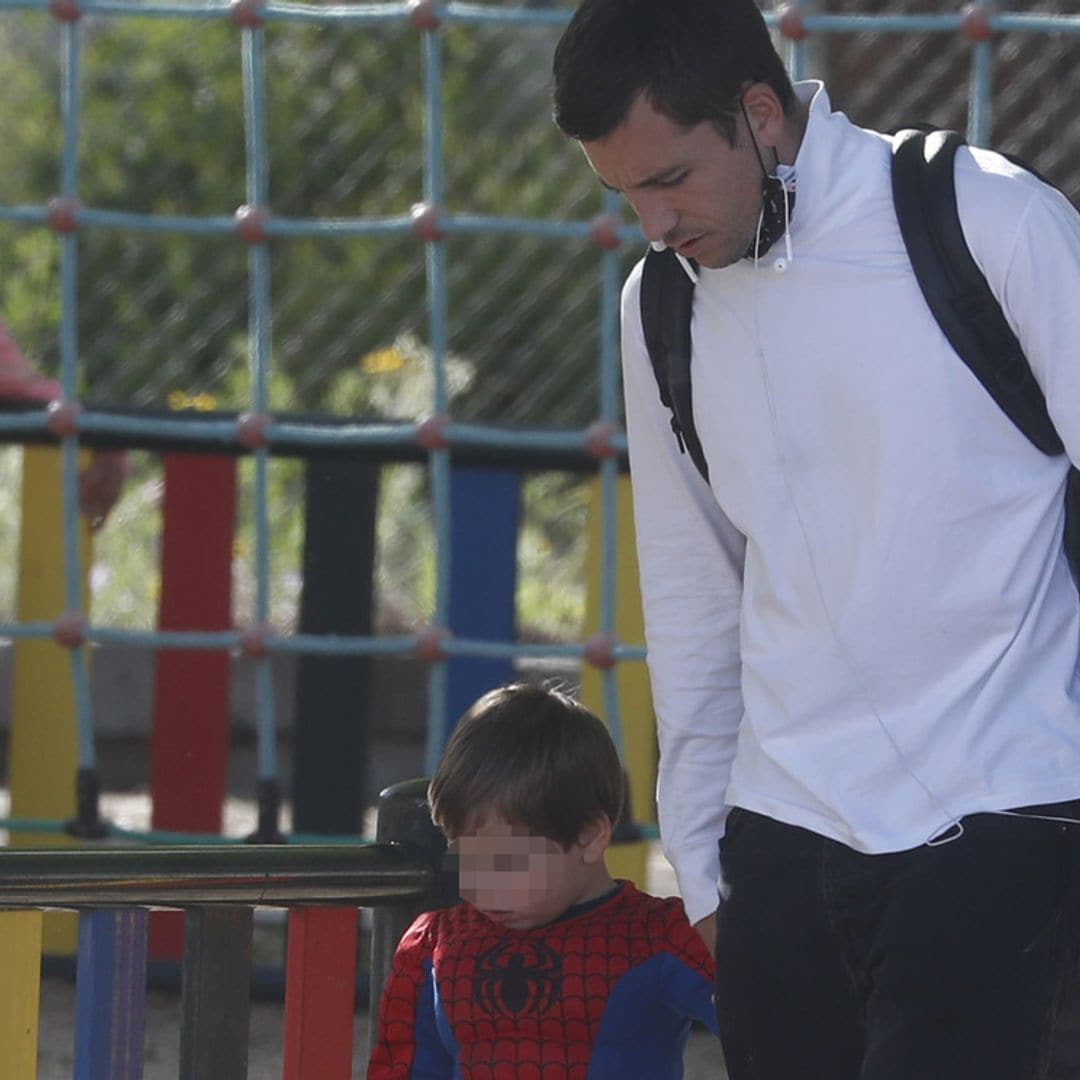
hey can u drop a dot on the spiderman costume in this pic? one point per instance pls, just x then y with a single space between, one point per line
608 990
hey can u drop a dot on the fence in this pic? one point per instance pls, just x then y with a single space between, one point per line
218 888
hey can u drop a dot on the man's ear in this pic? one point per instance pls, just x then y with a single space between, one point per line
594 839
765 113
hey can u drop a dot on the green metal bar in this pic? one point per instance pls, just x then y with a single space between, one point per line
171 837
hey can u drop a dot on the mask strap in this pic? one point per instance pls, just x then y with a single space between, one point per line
777 204
753 139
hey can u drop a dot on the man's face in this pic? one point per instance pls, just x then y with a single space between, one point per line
515 878
689 187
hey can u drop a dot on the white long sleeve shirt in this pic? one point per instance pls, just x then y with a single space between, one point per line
866 625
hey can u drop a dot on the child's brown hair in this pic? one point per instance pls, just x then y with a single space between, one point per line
533 755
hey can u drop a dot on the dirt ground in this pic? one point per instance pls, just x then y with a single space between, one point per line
162 1053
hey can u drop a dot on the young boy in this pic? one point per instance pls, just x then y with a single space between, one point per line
549 968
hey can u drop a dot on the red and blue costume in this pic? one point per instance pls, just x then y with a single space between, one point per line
607 991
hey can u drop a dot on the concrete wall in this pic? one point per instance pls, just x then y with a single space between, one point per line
122 686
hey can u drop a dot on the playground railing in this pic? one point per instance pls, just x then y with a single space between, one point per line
218 888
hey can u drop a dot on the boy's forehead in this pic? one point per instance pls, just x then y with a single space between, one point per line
492 830
498 827
521 846
489 822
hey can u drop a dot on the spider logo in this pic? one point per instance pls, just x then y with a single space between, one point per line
517 977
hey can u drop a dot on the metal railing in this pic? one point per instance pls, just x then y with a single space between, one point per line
218 888
271 875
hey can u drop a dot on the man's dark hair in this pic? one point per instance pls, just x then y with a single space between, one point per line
690 58
533 755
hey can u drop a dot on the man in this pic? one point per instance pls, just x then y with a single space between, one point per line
862 632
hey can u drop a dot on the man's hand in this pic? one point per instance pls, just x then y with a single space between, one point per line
707 929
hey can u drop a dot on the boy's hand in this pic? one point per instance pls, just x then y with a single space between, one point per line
99 485
100 482
18 380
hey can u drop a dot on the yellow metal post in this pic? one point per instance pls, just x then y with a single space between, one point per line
20 993
635 701
43 747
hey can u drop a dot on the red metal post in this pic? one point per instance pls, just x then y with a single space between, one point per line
188 757
320 992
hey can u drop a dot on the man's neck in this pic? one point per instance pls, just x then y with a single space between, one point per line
787 148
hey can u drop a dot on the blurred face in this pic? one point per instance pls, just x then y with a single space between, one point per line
522 880
689 187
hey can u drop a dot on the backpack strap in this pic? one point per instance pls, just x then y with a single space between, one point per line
1072 522
924 193
667 302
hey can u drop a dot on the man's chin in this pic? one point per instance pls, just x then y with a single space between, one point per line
715 256
717 261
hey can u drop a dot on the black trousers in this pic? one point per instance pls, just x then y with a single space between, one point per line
953 961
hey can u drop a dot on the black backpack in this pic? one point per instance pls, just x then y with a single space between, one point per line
955 289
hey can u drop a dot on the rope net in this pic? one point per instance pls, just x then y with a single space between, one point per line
339 220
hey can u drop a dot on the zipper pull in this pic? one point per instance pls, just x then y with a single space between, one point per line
675 427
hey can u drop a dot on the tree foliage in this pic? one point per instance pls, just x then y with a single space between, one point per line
162 132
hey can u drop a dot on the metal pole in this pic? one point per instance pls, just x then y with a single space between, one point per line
404 821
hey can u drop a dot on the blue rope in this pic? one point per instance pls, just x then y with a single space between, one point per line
439 467
258 196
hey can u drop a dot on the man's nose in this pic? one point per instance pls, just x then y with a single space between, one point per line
657 219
